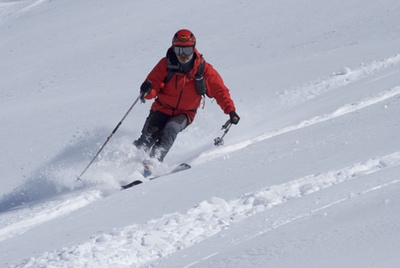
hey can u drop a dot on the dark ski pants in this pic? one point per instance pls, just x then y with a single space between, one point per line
159 133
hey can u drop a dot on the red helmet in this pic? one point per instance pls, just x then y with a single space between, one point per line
184 38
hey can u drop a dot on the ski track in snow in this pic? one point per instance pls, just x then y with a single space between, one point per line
346 109
12 9
311 90
17 222
138 245
346 76
288 219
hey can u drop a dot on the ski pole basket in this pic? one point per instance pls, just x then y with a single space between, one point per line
219 141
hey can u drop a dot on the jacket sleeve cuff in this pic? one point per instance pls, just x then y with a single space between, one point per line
229 109
152 94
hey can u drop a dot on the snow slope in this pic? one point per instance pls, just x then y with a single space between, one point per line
308 178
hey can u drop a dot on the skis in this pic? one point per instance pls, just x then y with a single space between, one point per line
179 168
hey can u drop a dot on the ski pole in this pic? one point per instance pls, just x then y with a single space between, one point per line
109 137
219 140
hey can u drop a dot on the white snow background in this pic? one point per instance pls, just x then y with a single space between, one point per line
310 177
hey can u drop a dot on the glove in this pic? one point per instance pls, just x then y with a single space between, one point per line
234 118
145 88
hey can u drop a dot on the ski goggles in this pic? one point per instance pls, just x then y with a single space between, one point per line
183 50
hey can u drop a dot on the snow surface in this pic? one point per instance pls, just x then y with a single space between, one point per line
308 178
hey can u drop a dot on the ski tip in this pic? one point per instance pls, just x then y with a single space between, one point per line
129 185
181 167
185 165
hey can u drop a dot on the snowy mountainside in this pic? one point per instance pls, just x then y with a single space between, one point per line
308 178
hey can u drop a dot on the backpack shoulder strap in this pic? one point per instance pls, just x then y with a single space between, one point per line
200 68
169 76
172 65
171 70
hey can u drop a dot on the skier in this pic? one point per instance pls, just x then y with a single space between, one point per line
177 83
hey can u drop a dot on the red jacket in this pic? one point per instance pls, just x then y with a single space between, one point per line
179 95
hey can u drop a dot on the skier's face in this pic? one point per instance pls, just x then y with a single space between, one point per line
183 58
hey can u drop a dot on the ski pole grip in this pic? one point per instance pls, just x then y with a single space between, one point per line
226 125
